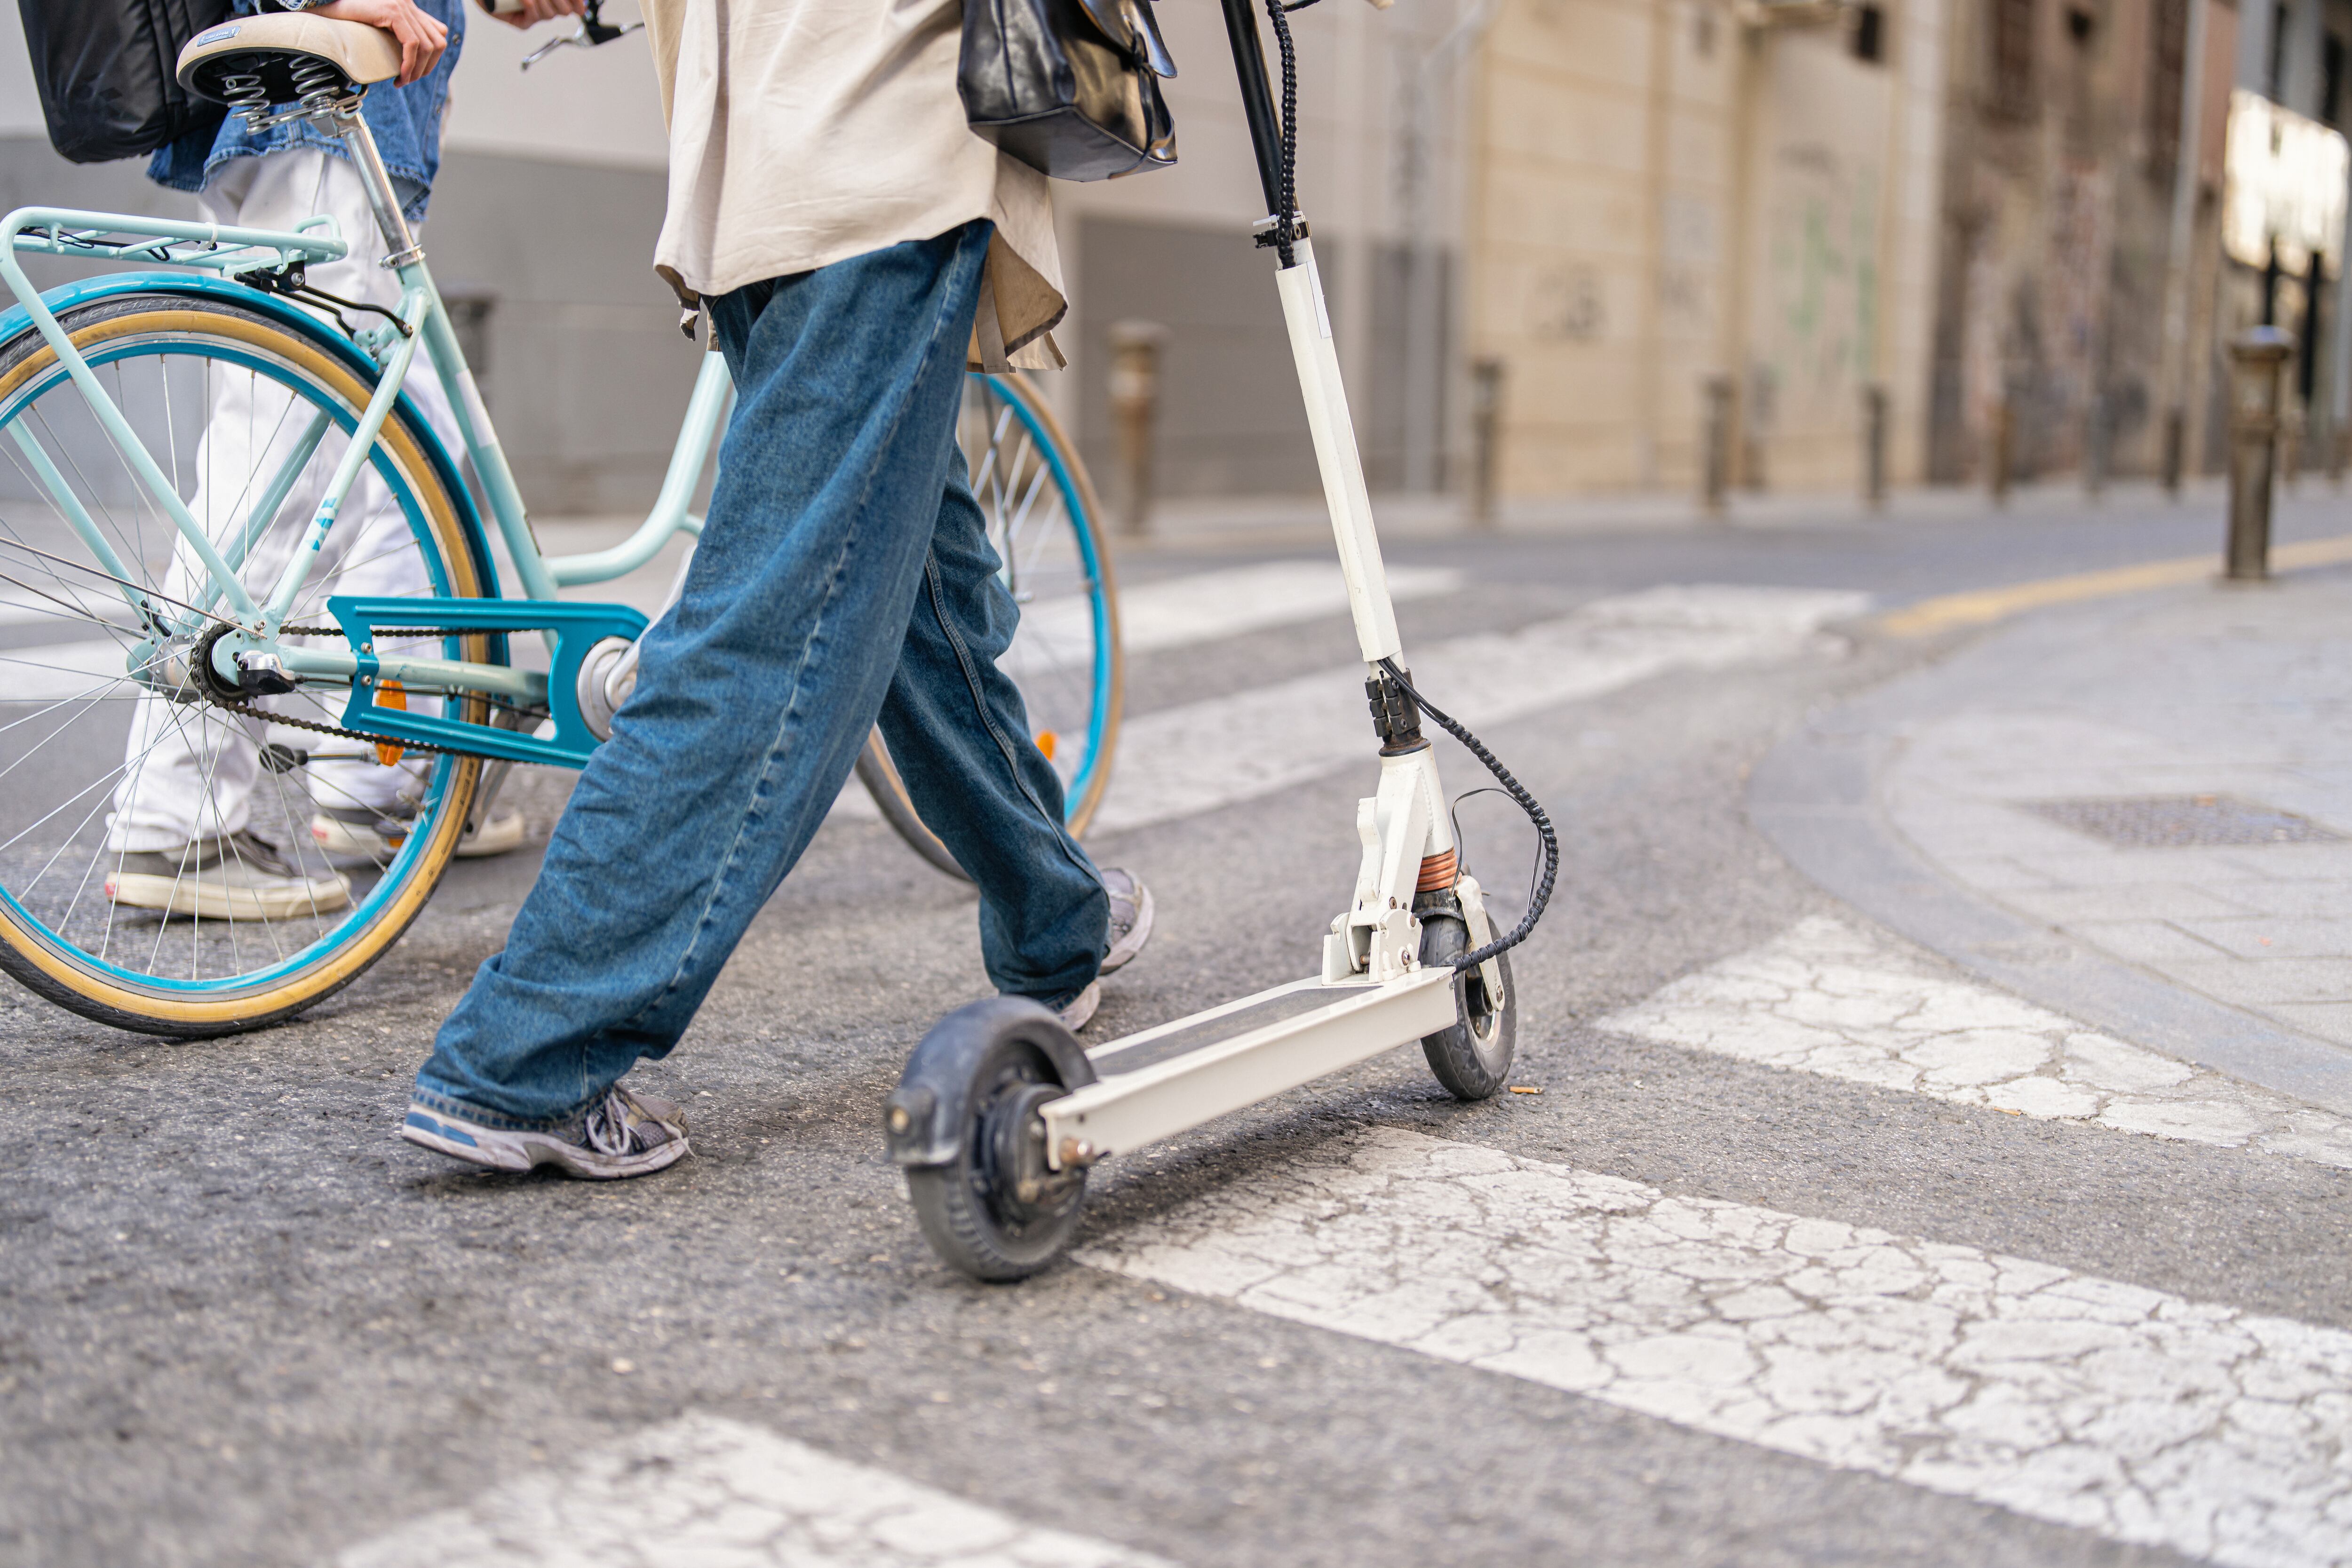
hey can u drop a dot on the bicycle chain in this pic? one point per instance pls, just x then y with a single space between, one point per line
248 710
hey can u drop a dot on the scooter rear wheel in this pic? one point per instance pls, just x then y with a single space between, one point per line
994 1211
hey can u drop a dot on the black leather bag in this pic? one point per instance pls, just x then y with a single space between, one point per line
1071 88
104 72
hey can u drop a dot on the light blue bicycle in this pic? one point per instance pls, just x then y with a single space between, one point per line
174 586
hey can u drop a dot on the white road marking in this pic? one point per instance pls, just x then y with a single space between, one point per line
1058 633
54 671
1154 616
2140 1415
704 1489
1209 605
1826 998
1203 755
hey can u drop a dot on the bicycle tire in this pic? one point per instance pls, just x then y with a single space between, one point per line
1083 512
319 371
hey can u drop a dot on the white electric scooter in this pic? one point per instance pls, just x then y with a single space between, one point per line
1001 1111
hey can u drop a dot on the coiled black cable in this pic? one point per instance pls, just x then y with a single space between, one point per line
1517 792
1284 230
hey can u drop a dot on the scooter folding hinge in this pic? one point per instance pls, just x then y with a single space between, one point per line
1380 937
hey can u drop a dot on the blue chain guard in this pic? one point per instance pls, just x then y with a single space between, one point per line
577 628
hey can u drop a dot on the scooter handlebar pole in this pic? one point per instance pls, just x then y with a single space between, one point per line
1257 102
1309 321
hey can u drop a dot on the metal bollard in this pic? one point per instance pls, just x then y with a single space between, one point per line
1487 433
2004 448
2256 357
1874 447
2176 450
2097 446
1715 457
1135 416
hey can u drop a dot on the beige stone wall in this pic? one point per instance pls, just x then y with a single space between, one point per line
1616 264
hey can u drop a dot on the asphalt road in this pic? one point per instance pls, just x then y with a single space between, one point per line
240 1325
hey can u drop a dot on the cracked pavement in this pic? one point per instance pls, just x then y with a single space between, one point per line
2066 1397
1828 997
241 1325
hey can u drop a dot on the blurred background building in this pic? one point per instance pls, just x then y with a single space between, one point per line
1779 239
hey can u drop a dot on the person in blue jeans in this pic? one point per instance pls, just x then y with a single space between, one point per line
853 248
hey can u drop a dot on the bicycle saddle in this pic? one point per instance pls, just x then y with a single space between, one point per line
288 57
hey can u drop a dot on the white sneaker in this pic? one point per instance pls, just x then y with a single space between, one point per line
241 877
373 836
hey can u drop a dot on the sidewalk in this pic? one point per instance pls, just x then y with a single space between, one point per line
2139 812
2170 782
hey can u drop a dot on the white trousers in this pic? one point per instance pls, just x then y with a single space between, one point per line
192 772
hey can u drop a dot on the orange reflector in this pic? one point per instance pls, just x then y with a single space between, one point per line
389 694
1045 744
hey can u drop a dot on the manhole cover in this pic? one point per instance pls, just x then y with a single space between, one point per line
2179 821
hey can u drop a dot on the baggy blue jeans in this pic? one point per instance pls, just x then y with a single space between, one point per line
844 574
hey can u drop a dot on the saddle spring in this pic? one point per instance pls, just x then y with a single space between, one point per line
320 86
243 94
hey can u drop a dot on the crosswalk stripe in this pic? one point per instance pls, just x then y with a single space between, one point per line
1203 755
2140 1415
1824 997
1202 607
701 1489
1179 611
54 671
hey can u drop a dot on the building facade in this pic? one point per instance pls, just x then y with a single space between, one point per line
1670 234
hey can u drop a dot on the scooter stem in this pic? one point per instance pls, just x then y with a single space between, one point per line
1308 320
1309 323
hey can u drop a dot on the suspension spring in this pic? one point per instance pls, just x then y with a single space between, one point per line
319 85
243 94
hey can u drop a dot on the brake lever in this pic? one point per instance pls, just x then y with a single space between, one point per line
592 30
587 37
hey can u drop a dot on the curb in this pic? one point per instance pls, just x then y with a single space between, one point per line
1815 798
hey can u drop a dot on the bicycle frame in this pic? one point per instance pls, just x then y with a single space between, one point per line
422 321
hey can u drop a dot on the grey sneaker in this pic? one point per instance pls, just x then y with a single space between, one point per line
624 1133
357 834
1080 1010
1130 918
240 878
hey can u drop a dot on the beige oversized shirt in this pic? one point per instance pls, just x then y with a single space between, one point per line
803 132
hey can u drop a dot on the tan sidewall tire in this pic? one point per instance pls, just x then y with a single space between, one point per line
59 973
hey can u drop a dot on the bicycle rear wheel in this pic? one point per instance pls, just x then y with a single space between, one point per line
247 415
1066 659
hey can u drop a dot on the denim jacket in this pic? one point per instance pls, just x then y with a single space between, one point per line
406 121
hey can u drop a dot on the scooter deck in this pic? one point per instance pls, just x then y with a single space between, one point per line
1174 1075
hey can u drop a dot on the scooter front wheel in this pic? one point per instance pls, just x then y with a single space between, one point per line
1474 1056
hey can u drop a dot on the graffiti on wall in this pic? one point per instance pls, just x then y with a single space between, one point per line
1817 332
1568 304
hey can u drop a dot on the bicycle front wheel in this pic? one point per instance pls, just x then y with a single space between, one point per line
1065 657
163 853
